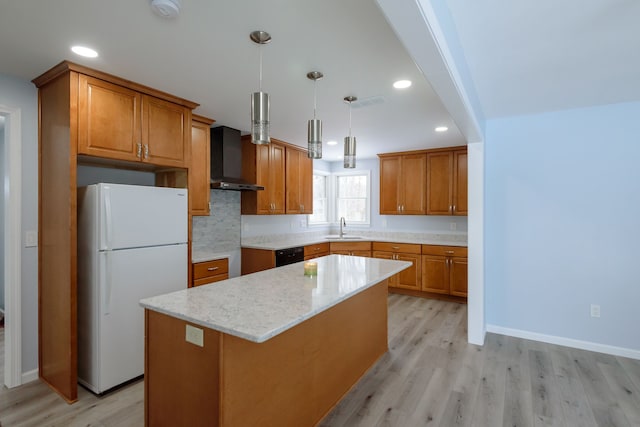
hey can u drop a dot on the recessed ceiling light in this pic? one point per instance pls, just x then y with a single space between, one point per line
332 142
442 129
84 51
402 84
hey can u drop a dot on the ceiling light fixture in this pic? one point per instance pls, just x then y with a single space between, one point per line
332 142
314 127
87 52
402 84
166 8
441 129
350 141
260 100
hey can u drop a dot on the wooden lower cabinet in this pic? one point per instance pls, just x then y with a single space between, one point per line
209 271
444 270
351 248
316 250
253 260
410 278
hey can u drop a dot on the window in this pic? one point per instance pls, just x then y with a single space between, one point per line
352 197
341 194
320 199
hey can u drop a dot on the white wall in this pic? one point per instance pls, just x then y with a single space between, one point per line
23 94
255 225
562 226
2 171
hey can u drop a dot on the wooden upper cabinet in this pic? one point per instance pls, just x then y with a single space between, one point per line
166 133
460 177
447 182
265 166
299 181
200 170
108 120
402 184
120 123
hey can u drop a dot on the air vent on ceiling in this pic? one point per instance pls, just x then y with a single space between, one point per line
367 102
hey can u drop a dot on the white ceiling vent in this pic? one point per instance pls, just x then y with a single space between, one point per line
367 102
166 8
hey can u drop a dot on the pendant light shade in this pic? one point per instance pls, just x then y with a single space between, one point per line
350 141
260 123
314 127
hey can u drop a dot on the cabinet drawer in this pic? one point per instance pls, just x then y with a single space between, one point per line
406 248
317 249
444 250
207 280
208 269
350 246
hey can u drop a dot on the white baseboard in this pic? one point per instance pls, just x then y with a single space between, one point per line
27 377
567 342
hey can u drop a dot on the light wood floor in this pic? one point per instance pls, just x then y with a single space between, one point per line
430 376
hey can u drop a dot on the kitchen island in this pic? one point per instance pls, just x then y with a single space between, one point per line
270 348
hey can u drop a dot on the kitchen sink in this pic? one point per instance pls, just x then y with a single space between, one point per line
345 237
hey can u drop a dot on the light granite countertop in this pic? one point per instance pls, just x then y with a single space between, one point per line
261 305
202 255
275 243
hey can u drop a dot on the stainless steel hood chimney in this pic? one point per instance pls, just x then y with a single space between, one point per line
226 161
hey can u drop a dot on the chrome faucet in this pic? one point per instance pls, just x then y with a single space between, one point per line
342 224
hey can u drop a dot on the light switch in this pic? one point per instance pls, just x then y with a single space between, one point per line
31 239
195 335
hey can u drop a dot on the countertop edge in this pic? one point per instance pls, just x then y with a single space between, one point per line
402 265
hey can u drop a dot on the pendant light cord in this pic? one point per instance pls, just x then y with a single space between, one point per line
315 86
349 119
260 84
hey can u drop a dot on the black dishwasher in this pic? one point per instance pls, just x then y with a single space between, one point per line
289 256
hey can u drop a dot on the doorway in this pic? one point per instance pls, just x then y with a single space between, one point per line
11 172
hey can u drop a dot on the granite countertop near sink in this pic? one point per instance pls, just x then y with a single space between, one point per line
205 254
283 241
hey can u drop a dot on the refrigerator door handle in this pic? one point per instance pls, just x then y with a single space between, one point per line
107 217
106 309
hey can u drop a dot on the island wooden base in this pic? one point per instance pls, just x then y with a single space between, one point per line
292 379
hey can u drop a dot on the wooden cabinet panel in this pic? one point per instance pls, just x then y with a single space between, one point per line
316 250
439 183
444 269
166 132
458 276
402 184
389 185
210 271
410 278
200 172
108 120
447 182
350 246
435 274
253 260
460 179
299 181
264 165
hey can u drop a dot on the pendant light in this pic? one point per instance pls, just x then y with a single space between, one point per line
314 127
260 100
350 141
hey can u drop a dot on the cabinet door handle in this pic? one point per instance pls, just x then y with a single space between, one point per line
448 252
395 247
398 209
139 151
454 208
402 207
212 268
146 151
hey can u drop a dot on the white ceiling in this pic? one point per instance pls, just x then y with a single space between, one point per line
523 57
533 56
205 55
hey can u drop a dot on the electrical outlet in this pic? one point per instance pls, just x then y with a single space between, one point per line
595 310
31 239
452 226
303 223
195 335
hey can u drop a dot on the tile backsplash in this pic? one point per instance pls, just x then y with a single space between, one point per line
220 231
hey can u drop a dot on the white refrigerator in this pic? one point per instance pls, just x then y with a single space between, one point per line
132 244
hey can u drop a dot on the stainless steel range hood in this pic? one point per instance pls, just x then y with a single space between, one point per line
226 161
